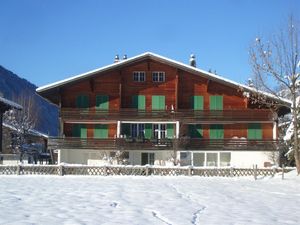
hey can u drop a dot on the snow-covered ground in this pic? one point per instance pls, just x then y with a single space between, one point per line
148 200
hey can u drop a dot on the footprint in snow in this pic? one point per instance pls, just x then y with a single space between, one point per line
114 204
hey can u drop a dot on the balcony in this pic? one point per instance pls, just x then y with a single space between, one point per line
180 144
185 116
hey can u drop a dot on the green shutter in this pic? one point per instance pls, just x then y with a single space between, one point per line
170 130
216 131
79 130
138 102
148 130
195 131
197 102
216 102
76 130
254 131
82 101
158 102
83 131
101 131
102 102
126 129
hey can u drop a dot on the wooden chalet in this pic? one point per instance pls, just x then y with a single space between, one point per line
159 111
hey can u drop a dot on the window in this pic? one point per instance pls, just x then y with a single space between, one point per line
225 158
195 131
158 76
215 159
199 159
139 102
101 131
216 131
82 101
211 159
159 131
185 158
102 102
137 130
139 76
79 130
147 158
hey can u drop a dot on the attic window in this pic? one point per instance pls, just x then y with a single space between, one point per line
158 76
139 76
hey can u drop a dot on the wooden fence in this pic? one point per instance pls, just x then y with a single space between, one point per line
62 170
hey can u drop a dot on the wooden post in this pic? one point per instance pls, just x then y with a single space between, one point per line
274 171
147 170
282 175
231 172
61 170
190 170
104 170
255 172
18 169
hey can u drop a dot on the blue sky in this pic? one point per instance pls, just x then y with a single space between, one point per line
46 41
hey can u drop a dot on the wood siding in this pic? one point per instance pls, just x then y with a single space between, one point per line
178 88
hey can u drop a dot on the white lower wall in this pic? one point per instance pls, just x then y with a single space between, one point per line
246 159
242 159
94 157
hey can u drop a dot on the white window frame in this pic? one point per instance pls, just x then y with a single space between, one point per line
138 75
160 130
158 76
137 130
205 157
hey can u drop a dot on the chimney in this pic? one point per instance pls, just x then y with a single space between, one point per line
117 59
250 82
193 60
125 57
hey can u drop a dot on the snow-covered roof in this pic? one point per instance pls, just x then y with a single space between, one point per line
31 131
9 103
162 59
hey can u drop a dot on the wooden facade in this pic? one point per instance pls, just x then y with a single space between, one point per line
151 91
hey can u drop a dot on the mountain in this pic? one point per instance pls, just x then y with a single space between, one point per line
12 87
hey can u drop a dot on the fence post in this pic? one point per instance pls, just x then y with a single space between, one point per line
282 175
104 170
274 171
190 170
255 171
61 170
231 172
147 170
18 169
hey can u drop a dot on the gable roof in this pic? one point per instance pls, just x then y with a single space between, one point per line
162 59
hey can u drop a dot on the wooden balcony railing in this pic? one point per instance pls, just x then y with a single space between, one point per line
163 115
164 144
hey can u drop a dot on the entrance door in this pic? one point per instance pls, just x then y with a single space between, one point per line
147 158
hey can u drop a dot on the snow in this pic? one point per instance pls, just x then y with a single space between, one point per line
149 200
11 104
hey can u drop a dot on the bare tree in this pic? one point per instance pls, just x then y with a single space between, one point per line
23 121
276 61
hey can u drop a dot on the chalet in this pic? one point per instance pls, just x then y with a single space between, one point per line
154 110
